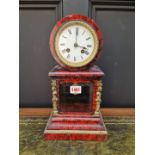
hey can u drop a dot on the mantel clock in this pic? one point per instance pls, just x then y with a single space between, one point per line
76 83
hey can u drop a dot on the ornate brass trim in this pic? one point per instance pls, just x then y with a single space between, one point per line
96 43
98 96
54 96
75 132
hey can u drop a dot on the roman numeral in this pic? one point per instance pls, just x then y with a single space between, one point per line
64 36
89 45
69 31
86 52
88 38
68 56
64 50
83 32
62 44
74 58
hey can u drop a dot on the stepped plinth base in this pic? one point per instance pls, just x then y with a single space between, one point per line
77 126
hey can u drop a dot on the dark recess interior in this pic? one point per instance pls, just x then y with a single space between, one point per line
75 102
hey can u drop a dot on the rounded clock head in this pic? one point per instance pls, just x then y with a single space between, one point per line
75 42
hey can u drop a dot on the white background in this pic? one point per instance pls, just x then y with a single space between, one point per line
145 77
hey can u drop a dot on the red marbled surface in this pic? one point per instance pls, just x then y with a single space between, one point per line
93 72
80 122
75 137
75 120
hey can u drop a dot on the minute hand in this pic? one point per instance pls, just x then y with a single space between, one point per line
76 34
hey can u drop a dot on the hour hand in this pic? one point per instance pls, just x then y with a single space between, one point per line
82 47
76 45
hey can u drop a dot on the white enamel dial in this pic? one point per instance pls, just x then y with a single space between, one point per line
76 43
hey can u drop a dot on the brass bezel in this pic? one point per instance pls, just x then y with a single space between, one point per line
96 43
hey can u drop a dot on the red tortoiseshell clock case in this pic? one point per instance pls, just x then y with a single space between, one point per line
74 17
76 116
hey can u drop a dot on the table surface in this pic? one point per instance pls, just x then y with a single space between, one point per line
121 132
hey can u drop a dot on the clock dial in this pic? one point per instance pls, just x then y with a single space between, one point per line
76 43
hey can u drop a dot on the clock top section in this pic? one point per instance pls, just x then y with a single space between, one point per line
76 42
92 72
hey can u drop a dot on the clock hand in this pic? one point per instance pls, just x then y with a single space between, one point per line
76 39
81 47
76 45
76 34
